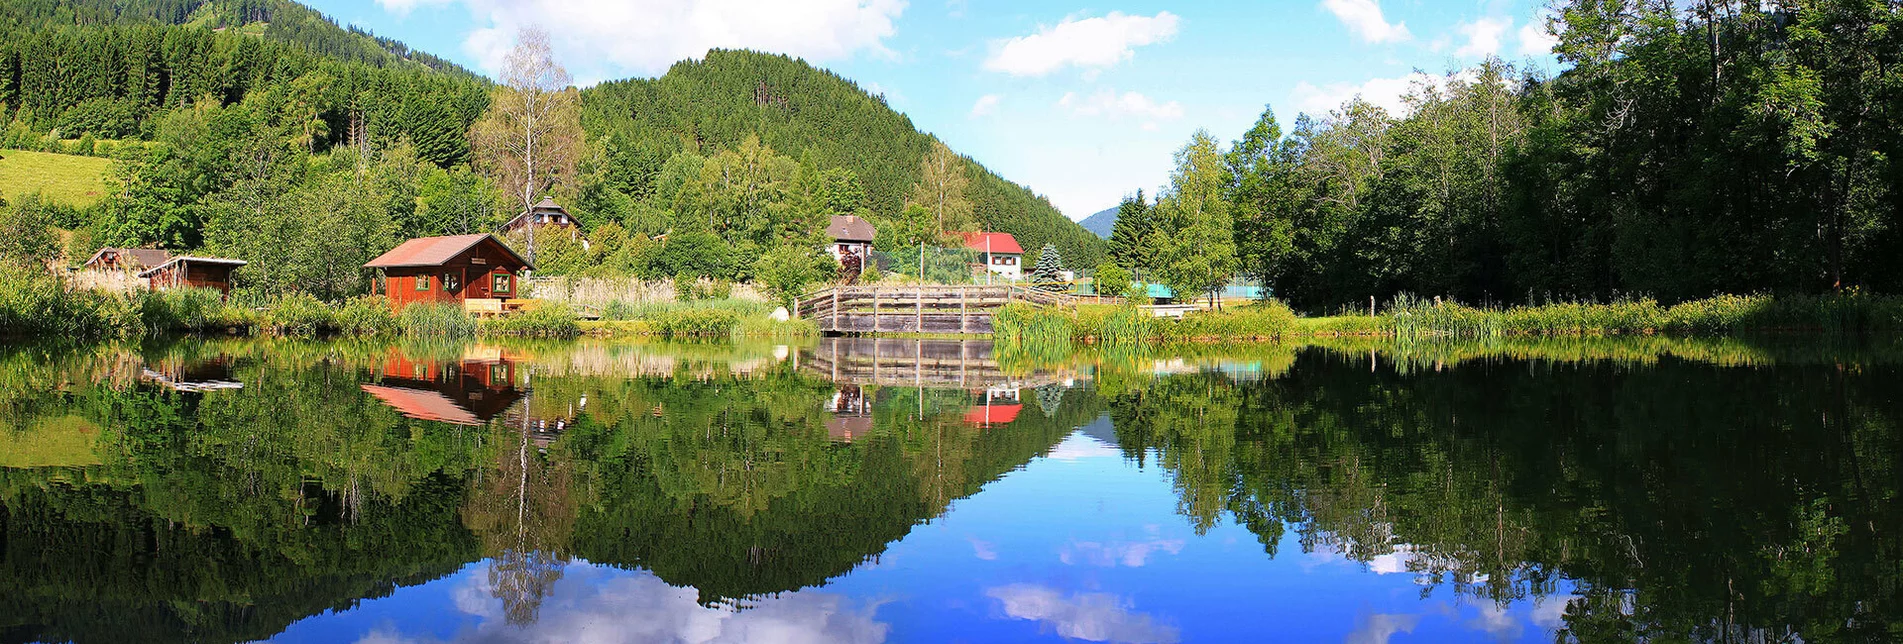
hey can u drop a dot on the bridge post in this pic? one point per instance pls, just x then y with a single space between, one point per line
876 292
920 299
836 308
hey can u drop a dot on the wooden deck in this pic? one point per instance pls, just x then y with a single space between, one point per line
918 309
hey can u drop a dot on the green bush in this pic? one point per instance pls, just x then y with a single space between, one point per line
552 320
1261 321
300 315
432 319
366 315
38 304
694 322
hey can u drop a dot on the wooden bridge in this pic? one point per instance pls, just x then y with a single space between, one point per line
918 309
901 362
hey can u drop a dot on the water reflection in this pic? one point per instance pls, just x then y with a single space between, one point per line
846 492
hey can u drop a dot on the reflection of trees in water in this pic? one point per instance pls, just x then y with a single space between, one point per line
1686 501
522 512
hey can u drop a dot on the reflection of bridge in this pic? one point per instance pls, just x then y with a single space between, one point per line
893 362
917 309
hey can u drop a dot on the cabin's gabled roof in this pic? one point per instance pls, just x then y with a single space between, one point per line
437 251
139 257
994 243
850 228
546 206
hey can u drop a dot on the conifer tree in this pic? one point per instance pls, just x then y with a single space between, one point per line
1045 274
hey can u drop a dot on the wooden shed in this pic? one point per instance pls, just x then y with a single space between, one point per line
192 272
477 271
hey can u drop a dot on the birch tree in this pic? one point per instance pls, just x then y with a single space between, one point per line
531 138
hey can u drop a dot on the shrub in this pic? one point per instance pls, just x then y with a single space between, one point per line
694 322
37 304
367 315
300 315
1261 321
431 319
552 320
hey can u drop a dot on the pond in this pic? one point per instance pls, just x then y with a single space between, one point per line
894 490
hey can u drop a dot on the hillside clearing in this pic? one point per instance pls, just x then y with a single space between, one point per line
61 178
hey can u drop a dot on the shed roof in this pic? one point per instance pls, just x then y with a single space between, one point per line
220 261
850 228
999 243
140 257
437 251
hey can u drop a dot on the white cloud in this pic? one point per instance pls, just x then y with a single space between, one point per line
1483 37
404 7
987 105
1096 617
1365 20
601 604
600 37
1128 105
1534 41
1077 447
1090 43
1385 92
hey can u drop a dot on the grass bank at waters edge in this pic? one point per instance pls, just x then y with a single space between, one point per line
1406 317
42 306
715 318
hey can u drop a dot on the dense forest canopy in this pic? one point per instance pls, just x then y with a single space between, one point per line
1685 149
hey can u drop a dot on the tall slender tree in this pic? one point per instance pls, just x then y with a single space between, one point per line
942 189
1194 239
531 138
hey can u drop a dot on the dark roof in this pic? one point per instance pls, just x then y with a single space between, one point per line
850 228
1000 243
436 251
137 257
234 263
546 206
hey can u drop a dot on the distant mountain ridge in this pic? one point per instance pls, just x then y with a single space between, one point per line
1101 223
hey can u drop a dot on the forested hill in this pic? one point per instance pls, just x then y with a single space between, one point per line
812 115
273 20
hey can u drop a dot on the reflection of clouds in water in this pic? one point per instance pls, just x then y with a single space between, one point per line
1377 628
1132 554
1079 447
1097 617
598 604
1550 612
983 549
1495 621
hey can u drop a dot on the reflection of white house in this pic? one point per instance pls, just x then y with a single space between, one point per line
850 234
1000 251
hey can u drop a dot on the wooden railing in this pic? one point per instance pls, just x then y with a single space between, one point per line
918 309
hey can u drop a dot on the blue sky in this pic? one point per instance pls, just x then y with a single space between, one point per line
1083 101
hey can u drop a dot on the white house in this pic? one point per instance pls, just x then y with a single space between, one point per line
852 235
1000 253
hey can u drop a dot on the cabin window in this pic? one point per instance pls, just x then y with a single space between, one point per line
422 282
450 282
502 283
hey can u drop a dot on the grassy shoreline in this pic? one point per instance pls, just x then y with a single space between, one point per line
1725 315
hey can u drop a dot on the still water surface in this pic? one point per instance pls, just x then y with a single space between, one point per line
224 491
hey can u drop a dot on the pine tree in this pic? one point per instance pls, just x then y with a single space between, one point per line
1045 275
1128 234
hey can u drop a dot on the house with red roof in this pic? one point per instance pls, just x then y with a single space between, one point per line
999 253
477 271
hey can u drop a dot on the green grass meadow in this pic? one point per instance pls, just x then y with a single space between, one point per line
62 178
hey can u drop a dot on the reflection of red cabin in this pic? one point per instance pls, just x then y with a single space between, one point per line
192 272
470 392
451 270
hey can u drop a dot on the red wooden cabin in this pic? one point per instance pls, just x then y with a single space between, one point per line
475 271
192 272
